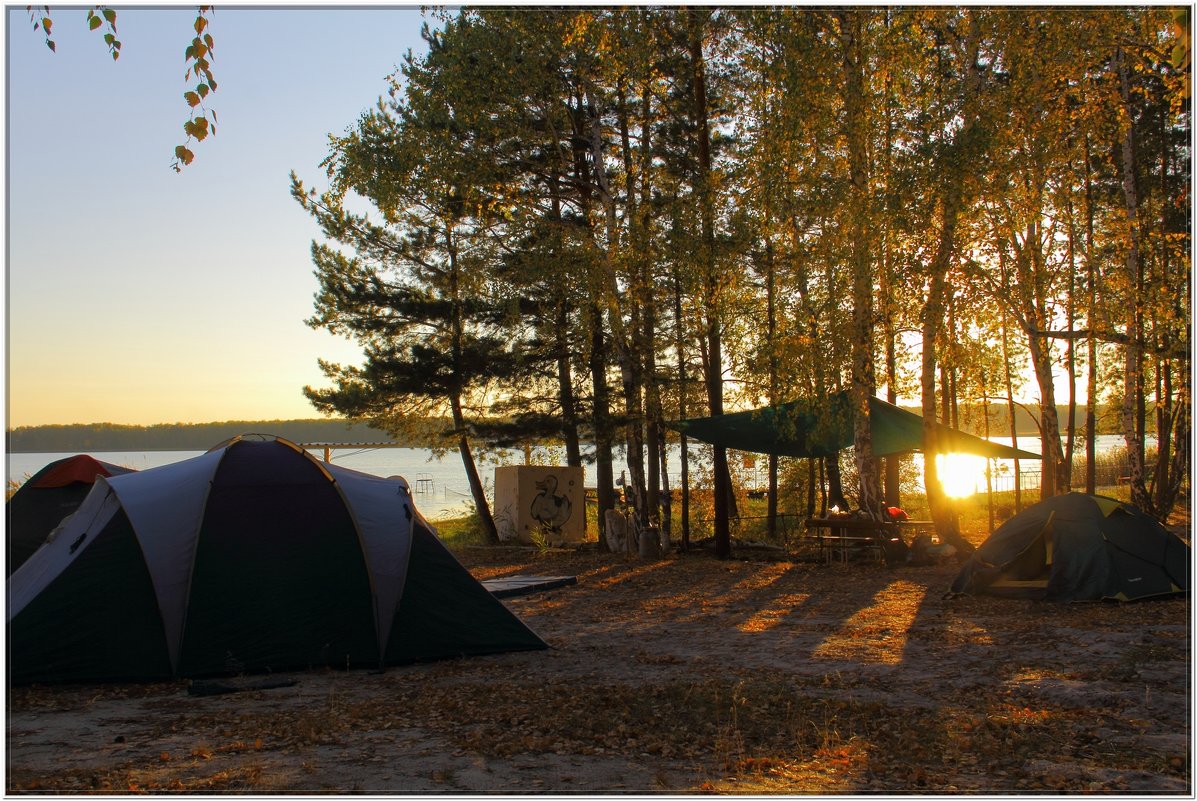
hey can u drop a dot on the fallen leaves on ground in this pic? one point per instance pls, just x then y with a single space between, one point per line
733 677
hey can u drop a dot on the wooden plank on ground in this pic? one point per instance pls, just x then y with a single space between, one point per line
509 586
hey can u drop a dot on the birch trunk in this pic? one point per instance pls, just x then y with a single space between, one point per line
863 383
1133 370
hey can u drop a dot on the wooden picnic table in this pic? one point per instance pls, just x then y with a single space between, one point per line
847 535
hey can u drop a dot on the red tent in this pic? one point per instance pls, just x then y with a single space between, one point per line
50 495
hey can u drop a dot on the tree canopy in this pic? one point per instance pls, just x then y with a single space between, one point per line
594 220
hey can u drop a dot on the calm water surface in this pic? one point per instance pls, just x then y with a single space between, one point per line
439 482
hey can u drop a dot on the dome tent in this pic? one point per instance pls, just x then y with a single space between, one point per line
1078 547
252 557
50 495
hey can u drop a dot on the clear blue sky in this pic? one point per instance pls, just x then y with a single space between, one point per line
138 295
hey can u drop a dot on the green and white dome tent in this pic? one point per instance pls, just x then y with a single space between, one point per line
252 557
1078 547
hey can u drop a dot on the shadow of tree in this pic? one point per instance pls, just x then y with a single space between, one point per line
908 691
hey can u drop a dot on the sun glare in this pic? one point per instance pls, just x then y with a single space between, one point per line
961 474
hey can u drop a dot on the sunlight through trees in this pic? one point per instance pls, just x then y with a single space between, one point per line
584 222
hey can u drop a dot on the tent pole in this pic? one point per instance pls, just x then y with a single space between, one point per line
988 461
989 490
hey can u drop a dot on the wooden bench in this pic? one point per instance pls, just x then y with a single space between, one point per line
848 536
917 526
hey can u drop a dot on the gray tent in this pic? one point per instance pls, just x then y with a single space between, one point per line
1078 547
254 557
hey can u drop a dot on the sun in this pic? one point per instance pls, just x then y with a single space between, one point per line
960 473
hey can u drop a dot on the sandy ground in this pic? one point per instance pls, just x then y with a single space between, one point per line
680 675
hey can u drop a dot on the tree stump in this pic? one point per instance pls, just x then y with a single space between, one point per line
650 540
615 526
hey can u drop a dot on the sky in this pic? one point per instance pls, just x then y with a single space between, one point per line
136 295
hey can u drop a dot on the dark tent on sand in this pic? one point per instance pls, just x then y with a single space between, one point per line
50 495
253 557
1078 547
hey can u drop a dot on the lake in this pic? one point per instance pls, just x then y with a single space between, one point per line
439 483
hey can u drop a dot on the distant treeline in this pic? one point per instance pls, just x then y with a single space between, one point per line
181 436
972 420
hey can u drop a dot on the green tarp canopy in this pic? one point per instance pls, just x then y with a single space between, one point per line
802 428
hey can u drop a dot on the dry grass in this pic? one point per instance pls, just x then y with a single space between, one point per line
683 675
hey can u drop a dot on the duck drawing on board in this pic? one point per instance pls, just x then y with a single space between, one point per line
549 508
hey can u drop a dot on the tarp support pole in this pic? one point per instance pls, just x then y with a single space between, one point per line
989 490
